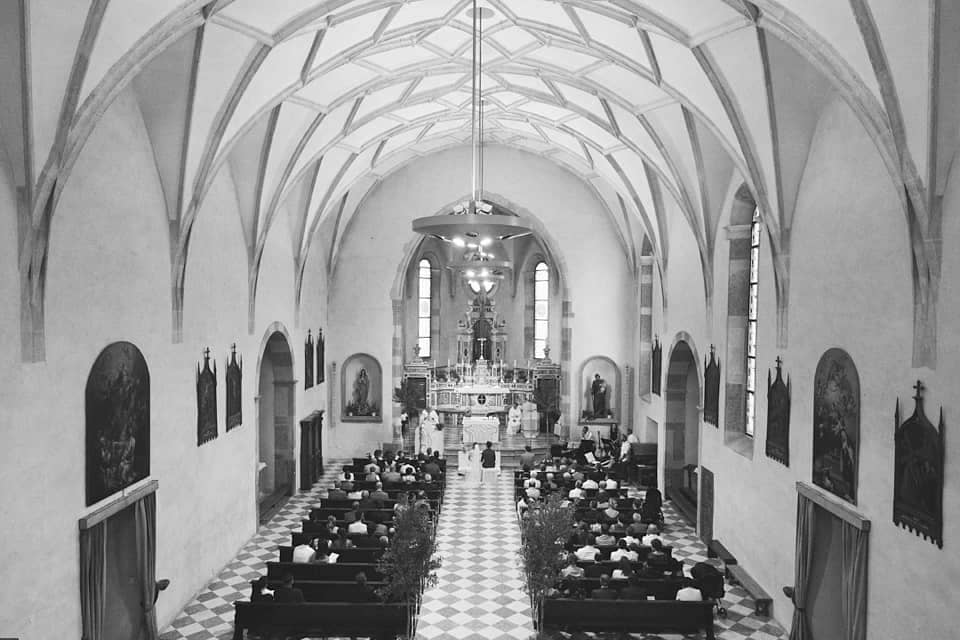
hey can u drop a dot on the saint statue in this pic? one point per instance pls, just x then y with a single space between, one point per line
361 387
598 389
514 419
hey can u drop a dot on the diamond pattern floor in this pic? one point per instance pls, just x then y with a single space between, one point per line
479 594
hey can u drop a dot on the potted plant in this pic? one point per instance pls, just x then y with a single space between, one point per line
410 562
544 529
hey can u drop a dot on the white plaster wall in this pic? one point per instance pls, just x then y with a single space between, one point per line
600 285
109 280
850 288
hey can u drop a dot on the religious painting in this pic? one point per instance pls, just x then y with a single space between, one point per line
321 347
308 351
711 389
918 472
362 391
206 400
778 417
836 424
656 366
117 407
234 386
600 380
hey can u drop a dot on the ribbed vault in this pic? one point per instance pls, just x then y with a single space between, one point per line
665 107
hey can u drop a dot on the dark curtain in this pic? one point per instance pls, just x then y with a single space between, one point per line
146 523
800 630
853 556
93 569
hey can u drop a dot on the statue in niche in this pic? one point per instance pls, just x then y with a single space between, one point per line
836 432
918 472
361 389
599 391
117 421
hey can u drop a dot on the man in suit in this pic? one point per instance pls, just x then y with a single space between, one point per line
604 592
391 475
633 590
526 459
378 494
488 462
287 592
337 493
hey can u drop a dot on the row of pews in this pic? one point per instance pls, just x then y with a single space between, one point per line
335 603
571 609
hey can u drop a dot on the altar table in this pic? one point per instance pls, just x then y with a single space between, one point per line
481 429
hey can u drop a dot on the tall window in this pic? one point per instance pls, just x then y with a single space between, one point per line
541 309
424 317
752 323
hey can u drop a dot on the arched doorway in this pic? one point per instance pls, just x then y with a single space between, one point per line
276 410
682 432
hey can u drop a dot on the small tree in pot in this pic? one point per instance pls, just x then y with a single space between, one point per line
410 562
545 528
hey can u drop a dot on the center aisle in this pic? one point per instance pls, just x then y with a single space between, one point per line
479 595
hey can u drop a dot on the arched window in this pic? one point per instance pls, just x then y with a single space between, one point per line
424 315
752 323
541 309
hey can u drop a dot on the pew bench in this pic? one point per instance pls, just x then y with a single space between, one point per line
641 616
715 549
316 619
761 599
325 591
363 556
345 571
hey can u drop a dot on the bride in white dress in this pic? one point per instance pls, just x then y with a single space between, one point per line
472 478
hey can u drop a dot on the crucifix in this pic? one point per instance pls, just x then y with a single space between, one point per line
481 341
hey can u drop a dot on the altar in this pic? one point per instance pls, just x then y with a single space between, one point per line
481 429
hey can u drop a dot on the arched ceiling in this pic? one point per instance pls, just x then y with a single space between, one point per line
665 106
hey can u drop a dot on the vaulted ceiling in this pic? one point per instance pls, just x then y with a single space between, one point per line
665 106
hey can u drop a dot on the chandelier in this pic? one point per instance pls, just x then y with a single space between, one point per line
475 225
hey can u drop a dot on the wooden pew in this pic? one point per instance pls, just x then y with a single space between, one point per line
641 616
326 619
344 571
659 588
761 599
325 591
359 540
363 556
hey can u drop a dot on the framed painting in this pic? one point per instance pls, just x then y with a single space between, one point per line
206 400
234 388
117 406
836 424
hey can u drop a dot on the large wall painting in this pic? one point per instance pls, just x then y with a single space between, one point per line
918 472
778 417
836 424
117 421
234 389
206 400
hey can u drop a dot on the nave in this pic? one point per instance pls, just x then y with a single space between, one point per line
479 594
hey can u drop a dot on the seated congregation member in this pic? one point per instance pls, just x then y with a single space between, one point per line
359 526
260 591
342 541
325 555
366 592
610 484
604 592
653 533
658 559
588 551
371 467
622 551
550 483
287 592
337 493
391 475
372 476
577 491
432 466
526 458
624 570
378 494
355 494
305 553
522 506
689 592
605 539
331 526
532 490
572 570
589 484
488 463
353 514
610 514
633 590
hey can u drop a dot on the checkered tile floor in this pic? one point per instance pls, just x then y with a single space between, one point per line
479 594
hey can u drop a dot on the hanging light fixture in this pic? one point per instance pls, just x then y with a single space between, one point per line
475 224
